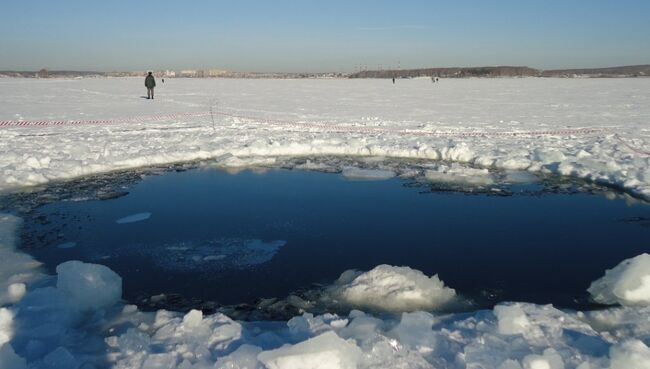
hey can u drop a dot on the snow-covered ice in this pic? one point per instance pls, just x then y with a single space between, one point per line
488 123
78 320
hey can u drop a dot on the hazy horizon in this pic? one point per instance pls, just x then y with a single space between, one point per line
334 36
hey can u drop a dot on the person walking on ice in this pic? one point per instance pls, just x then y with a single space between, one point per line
150 83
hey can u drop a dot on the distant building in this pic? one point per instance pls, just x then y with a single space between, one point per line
43 73
217 72
188 73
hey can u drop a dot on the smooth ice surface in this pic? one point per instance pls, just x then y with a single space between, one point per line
627 284
390 288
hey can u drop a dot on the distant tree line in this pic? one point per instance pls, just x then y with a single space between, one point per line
505 71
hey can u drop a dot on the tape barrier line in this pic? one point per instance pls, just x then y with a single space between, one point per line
630 147
325 128
136 119
296 124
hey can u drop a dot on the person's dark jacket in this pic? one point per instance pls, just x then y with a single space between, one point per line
150 82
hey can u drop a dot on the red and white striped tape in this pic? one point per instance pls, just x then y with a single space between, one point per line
324 127
297 124
136 119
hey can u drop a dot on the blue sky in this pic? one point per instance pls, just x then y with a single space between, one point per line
321 35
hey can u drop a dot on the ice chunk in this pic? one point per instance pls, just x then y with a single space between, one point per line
6 325
510 364
193 319
327 351
245 357
511 319
67 245
627 284
392 288
89 286
134 218
549 360
16 291
548 156
459 174
133 342
9 359
160 361
60 358
632 354
414 330
367 174
520 177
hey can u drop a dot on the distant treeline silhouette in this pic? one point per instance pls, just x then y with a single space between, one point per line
505 71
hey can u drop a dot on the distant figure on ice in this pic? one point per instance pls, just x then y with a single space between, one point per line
150 83
163 80
393 80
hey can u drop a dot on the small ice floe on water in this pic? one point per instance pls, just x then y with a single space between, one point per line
226 253
391 288
459 174
134 218
367 174
627 284
520 177
67 245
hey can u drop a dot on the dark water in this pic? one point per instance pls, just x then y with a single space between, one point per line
233 238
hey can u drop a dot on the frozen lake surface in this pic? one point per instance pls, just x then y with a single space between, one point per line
499 198
205 234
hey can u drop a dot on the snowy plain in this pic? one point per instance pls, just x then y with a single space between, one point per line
595 129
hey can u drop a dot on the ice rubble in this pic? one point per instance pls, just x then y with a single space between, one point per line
390 288
627 284
50 329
